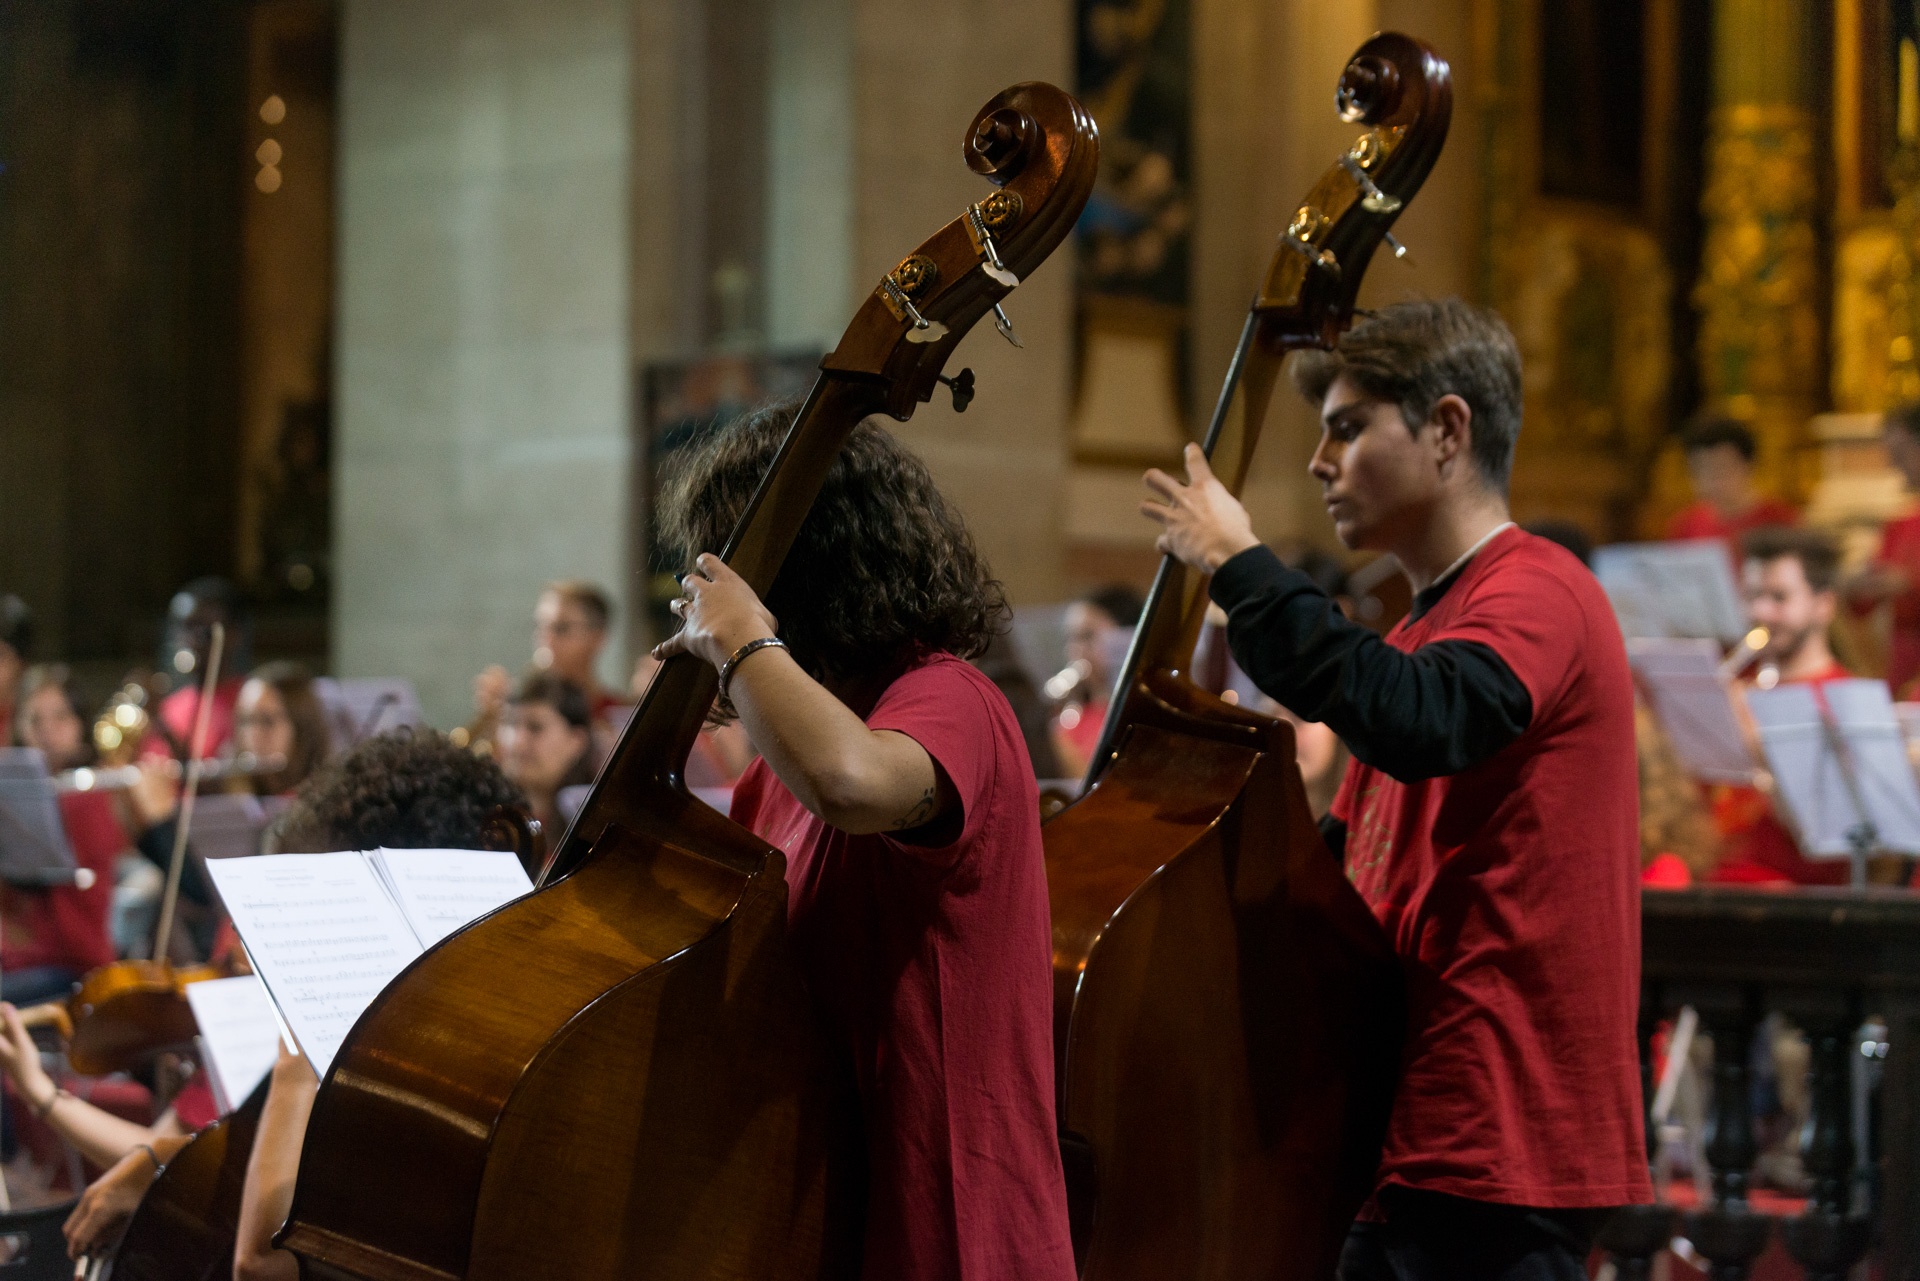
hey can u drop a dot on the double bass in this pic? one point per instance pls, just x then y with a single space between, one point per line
1227 1011
620 1074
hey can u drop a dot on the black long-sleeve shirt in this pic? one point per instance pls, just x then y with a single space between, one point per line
1439 710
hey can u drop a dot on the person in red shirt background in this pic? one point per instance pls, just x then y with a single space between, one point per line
1719 454
51 937
1490 815
1789 577
1894 575
894 776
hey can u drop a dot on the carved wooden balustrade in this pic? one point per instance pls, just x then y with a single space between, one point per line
1825 959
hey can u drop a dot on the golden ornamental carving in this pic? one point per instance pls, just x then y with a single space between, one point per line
1758 293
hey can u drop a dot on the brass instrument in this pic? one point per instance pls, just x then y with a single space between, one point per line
1751 646
121 725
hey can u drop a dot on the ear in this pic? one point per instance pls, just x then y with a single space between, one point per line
1826 604
1452 421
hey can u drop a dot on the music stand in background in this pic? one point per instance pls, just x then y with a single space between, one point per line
1672 589
1680 679
1840 766
33 841
359 707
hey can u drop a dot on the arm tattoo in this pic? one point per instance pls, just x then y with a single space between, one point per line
920 813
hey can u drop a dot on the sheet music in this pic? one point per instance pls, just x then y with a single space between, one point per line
1808 773
441 890
32 837
324 934
1680 679
1672 589
239 1035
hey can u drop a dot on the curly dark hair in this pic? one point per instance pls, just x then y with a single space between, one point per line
405 789
883 570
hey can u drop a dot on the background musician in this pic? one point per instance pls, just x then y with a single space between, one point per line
276 715
1099 627
51 936
894 776
1719 453
1894 575
570 622
1789 577
546 743
1489 813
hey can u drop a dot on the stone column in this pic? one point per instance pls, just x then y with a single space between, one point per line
1758 294
482 334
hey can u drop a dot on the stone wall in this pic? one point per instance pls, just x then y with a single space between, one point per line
482 387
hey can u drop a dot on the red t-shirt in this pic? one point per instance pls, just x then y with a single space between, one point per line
934 971
177 713
1512 893
1703 520
1900 549
64 925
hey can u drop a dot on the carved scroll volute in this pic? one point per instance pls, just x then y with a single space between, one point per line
1039 148
1403 92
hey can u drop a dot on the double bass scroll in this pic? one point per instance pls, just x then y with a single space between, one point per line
620 1075
1227 1010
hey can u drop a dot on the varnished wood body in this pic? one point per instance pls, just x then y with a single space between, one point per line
1228 1013
546 1127
186 1224
620 1075
124 1012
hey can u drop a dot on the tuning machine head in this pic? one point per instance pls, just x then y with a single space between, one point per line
961 385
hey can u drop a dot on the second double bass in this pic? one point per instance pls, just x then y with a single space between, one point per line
1228 1012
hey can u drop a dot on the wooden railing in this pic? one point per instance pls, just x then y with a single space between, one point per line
1827 960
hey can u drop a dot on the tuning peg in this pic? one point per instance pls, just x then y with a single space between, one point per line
1005 326
1399 250
961 385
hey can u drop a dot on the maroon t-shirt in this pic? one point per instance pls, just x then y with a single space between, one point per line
934 969
1512 893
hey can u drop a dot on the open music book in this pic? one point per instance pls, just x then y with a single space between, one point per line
327 932
239 1035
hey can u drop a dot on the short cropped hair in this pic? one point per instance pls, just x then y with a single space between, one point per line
404 789
1711 433
590 597
1819 555
1413 353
